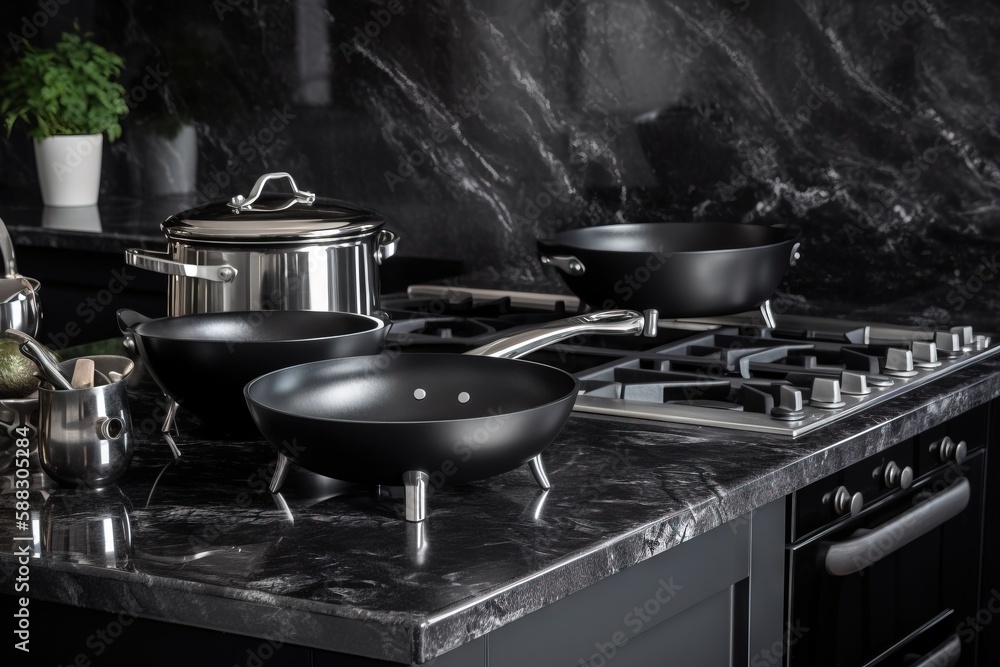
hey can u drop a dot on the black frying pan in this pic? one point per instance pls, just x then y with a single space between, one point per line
682 269
420 419
203 361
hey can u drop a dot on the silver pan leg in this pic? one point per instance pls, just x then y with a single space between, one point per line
765 312
538 470
170 428
415 486
280 472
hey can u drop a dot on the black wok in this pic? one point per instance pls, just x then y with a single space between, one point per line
682 269
204 361
420 419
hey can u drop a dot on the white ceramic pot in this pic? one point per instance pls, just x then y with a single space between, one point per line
69 169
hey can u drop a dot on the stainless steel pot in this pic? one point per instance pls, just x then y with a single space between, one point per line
272 252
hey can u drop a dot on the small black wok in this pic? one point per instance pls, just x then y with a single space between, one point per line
420 419
682 269
203 361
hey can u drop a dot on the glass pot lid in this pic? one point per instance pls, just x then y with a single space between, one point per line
278 217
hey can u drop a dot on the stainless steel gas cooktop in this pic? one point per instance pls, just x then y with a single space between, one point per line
736 372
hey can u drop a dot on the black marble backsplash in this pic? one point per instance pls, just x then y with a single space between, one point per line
481 125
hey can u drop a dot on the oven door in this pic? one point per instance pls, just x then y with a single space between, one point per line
893 585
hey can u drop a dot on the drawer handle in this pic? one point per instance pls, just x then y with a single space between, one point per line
945 655
870 546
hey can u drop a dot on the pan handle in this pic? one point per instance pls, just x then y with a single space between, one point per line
568 264
619 322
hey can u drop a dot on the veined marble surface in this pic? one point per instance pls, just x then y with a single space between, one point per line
211 547
478 126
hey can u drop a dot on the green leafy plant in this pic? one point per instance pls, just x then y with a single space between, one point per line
71 88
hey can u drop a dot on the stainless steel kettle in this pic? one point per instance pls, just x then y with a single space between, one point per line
19 305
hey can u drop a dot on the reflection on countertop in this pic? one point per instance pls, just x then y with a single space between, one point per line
201 541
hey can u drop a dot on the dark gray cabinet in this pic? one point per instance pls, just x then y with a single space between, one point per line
714 600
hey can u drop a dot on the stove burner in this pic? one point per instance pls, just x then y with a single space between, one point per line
726 372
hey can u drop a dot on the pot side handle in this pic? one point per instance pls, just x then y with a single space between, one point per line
388 244
160 262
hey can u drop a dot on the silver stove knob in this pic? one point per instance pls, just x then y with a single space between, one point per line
948 344
965 335
894 476
790 408
854 384
826 394
844 502
948 450
899 363
981 343
924 354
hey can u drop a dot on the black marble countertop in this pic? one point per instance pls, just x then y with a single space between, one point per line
211 547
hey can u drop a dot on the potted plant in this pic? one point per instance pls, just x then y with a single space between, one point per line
69 97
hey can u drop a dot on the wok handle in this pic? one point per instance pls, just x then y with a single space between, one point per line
615 322
795 255
129 319
568 264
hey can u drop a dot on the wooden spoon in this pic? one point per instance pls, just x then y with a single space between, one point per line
83 374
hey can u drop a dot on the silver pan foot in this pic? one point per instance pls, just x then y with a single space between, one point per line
415 487
538 470
280 473
169 429
768 315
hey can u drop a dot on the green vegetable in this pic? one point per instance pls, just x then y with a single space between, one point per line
71 88
17 372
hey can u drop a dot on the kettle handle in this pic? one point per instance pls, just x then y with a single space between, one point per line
7 253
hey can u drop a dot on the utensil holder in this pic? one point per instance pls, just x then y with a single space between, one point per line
85 435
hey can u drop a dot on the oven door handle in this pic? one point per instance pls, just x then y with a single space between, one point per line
869 546
945 655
